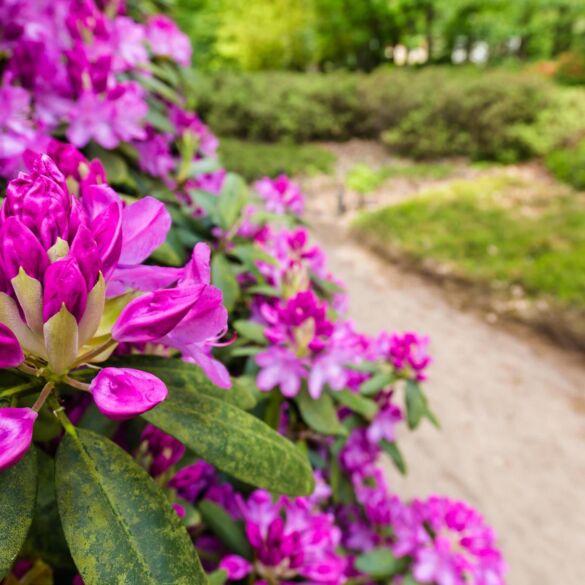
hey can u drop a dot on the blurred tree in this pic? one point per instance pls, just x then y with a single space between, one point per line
301 34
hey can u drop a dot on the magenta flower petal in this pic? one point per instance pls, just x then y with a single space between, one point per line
155 314
122 393
16 430
64 285
20 248
10 351
85 251
198 269
236 567
107 231
145 227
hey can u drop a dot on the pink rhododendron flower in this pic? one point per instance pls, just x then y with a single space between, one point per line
280 195
166 40
59 253
16 430
236 567
290 540
161 451
11 354
121 393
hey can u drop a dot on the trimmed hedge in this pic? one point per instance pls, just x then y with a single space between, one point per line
428 113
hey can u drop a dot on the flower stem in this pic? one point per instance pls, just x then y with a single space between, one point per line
48 388
17 389
76 384
59 412
94 352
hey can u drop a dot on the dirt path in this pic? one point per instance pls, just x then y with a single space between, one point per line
512 411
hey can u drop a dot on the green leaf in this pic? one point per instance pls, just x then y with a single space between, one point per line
45 538
119 525
379 563
224 278
341 487
159 87
376 383
232 199
359 404
234 441
218 577
115 166
320 415
167 255
417 406
230 532
176 373
18 493
409 580
251 330
159 121
395 454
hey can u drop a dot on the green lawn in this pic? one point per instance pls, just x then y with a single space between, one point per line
491 229
254 160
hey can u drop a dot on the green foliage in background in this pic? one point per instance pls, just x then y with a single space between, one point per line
302 34
477 228
435 112
254 160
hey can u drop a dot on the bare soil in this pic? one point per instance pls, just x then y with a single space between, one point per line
511 405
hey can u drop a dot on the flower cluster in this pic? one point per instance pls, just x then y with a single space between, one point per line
99 74
290 539
73 286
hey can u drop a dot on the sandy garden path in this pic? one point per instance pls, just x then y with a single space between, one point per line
512 409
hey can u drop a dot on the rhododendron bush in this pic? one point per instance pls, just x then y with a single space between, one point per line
179 379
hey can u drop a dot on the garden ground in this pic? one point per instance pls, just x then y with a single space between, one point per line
511 404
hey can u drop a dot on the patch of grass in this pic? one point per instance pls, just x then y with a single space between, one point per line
364 179
254 160
483 230
568 165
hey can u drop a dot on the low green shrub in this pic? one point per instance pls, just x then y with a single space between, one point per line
571 68
254 160
568 165
434 112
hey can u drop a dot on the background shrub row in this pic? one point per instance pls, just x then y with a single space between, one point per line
435 112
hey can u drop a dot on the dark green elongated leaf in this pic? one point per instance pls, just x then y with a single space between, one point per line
234 441
224 278
115 166
341 487
231 200
168 255
395 454
417 406
205 200
159 121
409 580
356 402
18 493
230 532
320 415
265 290
159 87
251 330
176 373
376 383
203 166
379 563
218 577
45 538
119 525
